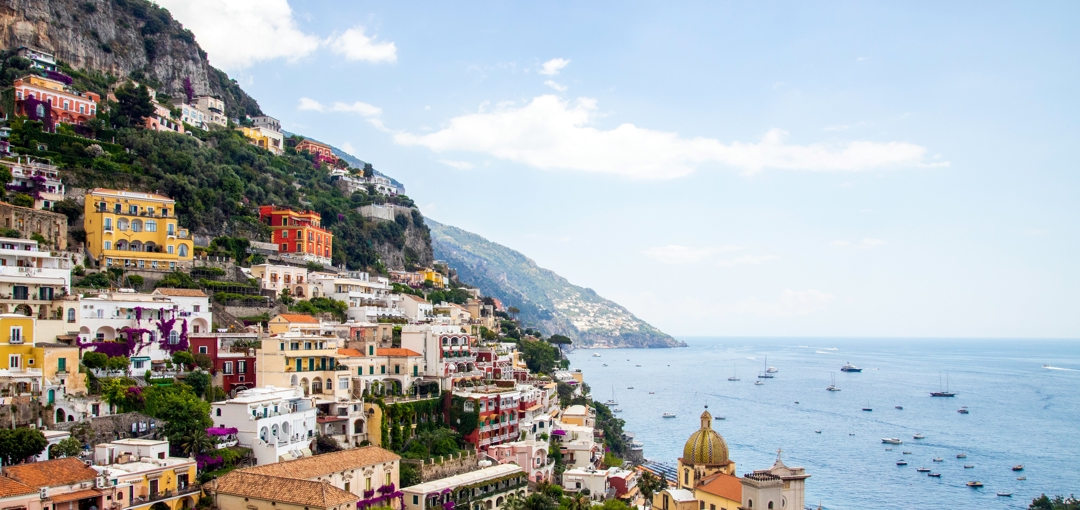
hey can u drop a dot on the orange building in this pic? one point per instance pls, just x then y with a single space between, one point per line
51 101
298 233
321 151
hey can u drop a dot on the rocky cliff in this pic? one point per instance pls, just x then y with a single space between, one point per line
122 38
545 299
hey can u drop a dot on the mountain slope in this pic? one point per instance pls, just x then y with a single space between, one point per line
544 298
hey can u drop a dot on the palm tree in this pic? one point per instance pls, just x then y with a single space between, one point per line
650 484
197 442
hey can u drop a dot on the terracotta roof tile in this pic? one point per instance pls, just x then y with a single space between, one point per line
396 352
9 487
51 473
311 467
725 486
299 317
352 353
285 490
181 292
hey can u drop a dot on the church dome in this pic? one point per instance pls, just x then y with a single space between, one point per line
705 446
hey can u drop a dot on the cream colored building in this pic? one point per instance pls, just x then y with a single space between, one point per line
241 490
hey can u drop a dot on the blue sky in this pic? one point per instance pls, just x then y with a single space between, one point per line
842 168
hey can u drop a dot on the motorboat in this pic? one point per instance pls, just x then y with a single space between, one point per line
1004 494
637 365
719 418
888 449
596 355
868 408
817 431
1021 478
923 470
610 403
605 364
901 463
652 393
975 484
969 466
900 408
939 459
616 410
891 440
770 370
1018 467
961 455
850 368
935 475
907 453
919 436
758 383
629 387
946 392
963 410
669 415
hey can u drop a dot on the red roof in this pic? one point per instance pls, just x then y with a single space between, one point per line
396 352
299 317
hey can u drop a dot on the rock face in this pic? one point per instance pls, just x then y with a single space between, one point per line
545 299
417 248
122 38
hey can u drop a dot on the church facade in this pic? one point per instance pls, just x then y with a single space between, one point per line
707 479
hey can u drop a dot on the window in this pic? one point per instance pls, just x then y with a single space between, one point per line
227 369
122 224
151 226
367 483
16 335
14 361
183 250
133 209
108 245
202 349
415 499
137 226
170 228
284 234
241 367
172 249
299 247
196 308
343 383
382 369
108 224
686 477
117 208
371 350
387 479
770 505
138 364
284 247
71 315
61 365
174 338
371 370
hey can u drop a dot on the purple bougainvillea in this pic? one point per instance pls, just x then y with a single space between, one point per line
189 91
221 431
208 463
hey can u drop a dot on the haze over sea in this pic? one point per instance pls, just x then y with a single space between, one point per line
1020 413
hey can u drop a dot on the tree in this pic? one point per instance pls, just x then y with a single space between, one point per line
95 360
540 357
204 361
183 411
22 200
123 394
199 382
67 447
1057 503
197 442
286 297
20 444
513 311
649 484
560 340
183 358
133 105
118 364
326 444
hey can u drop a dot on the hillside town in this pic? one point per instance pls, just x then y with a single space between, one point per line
148 366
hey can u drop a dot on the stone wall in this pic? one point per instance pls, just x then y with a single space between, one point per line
52 226
23 411
104 429
442 467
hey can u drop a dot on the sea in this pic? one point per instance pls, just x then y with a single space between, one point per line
1020 413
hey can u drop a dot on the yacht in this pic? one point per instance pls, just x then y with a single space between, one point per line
867 407
963 410
961 455
1021 478
758 383
596 355
612 402
1018 467
669 415
919 436
975 484
766 374
939 459
850 368
923 470
770 370
616 410
832 387
817 431
1004 494
969 466
734 373
935 475
891 440
901 463
945 393
900 408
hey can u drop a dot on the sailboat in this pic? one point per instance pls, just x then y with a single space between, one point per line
734 373
612 402
945 393
832 387
766 374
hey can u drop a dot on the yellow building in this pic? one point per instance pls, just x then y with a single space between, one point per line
704 472
135 230
436 278
285 322
35 368
144 474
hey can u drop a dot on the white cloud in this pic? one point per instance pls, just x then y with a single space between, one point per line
348 147
790 303
553 66
675 254
239 33
359 107
460 165
556 85
353 44
550 132
306 103
746 259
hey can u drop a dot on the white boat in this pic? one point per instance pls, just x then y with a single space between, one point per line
770 370
1021 478
719 418
963 410
850 368
832 387
669 415
891 440
734 373
616 410
923 470
766 374
758 383
939 459
919 436
961 455
969 466
975 484
612 402
596 355
1004 494
901 463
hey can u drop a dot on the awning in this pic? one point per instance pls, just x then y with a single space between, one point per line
532 407
77 495
33 279
326 419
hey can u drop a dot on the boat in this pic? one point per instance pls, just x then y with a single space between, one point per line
629 387
734 373
901 463
669 415
918 436
923 470
907 453
652 393
719 418
605 364
612 402
899 407
961 455
832 387
851 433
969 466
963 410
975 484
616 410
945 393
758 383
637 365
867 407
770 370
596 355
850 368
1018 467
935 475
1021 478
766 374
1004 494
888 449
939 459
891 440
817 431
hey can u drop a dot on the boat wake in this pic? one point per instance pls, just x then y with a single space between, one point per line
1048 367
822 352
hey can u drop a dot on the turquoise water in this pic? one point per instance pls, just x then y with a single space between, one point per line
1020 413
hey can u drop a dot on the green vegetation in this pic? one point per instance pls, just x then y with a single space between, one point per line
539 356
319 305
67 447
17 445
1056 503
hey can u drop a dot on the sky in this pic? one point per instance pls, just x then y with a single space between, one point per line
856 169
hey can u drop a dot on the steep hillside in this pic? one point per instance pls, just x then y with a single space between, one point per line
546 299
121 38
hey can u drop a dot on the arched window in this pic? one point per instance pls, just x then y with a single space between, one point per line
686 477
174 338
219 411
136 226
751 504
183 250
770 505
71 315
122 224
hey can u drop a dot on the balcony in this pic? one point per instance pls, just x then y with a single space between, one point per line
166 494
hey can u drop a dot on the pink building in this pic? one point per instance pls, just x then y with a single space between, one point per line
532 456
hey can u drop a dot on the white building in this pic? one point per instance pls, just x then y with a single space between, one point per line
777 487
416 308
135 469
449 353
591 479
39 180
165 318
213 110
369 299
189 114
438 494
271 129
531 455
278 424
276 278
